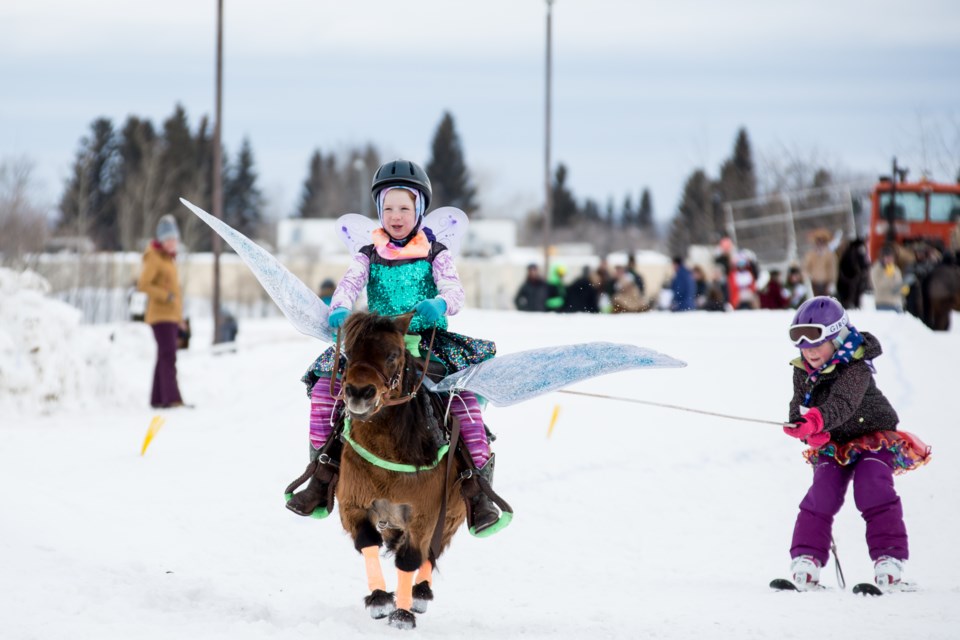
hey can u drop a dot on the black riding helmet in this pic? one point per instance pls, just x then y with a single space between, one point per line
402 173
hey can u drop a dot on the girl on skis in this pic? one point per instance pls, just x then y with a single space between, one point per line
405 268
851 428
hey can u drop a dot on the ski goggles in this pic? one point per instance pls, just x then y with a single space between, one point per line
813 334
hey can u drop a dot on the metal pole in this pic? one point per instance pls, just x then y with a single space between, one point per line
217 176
793 249
892 212
548 195
360 166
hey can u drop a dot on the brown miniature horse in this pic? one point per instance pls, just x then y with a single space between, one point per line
394 480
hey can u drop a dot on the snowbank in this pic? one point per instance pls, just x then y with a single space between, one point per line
47 361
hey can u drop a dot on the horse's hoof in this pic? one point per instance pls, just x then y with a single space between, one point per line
422 595
380 604
402 619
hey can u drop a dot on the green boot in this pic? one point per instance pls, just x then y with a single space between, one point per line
482 513
323 471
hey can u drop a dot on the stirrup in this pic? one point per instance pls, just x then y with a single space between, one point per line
310 474
483 488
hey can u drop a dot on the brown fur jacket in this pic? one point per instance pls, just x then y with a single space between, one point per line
846 395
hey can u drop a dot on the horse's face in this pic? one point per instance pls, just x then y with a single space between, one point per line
375 351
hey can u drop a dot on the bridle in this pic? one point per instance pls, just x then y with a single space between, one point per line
394 384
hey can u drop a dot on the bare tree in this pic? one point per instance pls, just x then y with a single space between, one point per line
23 226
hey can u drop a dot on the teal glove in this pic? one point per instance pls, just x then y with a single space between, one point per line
337 316
431 310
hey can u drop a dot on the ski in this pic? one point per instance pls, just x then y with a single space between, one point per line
782 584
867 589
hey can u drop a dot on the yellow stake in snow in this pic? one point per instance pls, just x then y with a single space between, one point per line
553 419
155 425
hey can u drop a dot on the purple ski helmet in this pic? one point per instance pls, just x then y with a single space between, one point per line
818 320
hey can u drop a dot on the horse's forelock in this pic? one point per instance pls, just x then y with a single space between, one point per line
362 327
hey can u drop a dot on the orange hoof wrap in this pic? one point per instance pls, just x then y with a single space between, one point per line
371 558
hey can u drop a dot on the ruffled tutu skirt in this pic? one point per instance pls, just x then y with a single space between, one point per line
909 451
455 351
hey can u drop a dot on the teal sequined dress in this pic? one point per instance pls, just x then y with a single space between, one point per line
394 287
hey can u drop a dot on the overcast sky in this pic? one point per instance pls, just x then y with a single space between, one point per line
644 91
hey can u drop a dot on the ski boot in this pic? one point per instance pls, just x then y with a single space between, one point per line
483 517
805 573
323 471
887 574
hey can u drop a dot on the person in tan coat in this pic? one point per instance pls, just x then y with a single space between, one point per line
820 265
160 281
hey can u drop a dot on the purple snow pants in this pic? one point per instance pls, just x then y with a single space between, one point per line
874 496
165 389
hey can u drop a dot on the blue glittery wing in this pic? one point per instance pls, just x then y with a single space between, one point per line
355 231
303 308
449 225
515 377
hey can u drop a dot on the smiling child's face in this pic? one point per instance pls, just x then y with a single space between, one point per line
399 213
816 356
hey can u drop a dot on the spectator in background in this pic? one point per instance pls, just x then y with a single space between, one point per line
684 289
626 296
632 270
820 264
228 326
742 285
715 300
606 286
160 281
887 282
723 255
583 294
556 290
796 287
773 296
327 287
532 295
700 287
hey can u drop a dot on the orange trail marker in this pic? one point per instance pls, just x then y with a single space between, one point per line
553 419
155 425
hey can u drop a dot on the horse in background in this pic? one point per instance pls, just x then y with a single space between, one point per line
941 295
853 274
934 280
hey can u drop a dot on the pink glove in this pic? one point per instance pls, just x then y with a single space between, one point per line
817 440
809 425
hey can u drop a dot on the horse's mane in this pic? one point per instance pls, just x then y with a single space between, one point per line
408 422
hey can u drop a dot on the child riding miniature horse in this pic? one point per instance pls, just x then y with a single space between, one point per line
404 268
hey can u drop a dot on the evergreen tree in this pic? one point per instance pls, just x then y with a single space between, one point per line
88 206
591 210
242 201
565 209
627 215
645 213
693 222
611 213
139 184
311 196
448 171
333 188
178 159
738 180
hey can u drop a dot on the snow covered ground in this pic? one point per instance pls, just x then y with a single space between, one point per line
631 521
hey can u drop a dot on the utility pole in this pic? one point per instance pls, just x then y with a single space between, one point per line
548 191
217 176
899 173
